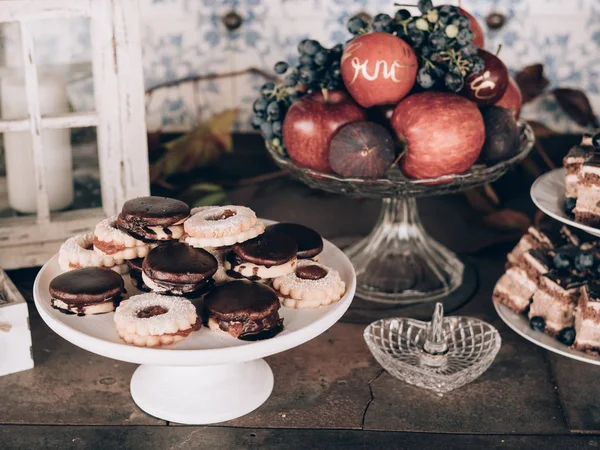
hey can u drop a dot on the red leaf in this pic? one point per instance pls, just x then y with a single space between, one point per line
577 106
531 81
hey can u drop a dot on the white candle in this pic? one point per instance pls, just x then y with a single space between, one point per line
18 149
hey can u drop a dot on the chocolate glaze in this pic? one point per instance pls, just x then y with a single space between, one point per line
179 263
566 280
86 286
593 160
241 298
186 289
264 334
593 291
269 249
542 256
311 272
136 228
155 210
310 243
135 274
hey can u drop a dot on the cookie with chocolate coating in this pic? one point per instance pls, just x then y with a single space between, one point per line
244 309
86 291
151 219
310 243
178 269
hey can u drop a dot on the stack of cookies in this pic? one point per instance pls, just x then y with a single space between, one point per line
223 255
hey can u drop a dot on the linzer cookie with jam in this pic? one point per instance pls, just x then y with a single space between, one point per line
270 255
78 252
311 285
111 241
587 209
310 243
178 269
244 309
151 219
152 320
221 226
86 291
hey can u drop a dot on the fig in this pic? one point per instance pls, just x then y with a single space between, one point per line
501 134
361 150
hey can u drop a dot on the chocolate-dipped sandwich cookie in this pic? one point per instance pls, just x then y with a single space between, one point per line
87 291
270 255
310 243
177 268
244 309
151 219
135 274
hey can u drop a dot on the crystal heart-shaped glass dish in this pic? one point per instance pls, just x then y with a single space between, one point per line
440 355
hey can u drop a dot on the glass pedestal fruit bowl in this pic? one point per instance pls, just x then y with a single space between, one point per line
398 263
440 355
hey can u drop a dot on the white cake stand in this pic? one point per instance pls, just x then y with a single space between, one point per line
548 194
208 377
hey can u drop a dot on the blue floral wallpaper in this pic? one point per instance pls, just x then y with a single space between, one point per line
184 38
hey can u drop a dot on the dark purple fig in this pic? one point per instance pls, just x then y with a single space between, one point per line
502 140
361 150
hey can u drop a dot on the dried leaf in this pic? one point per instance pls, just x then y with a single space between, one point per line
205 194
541 130
201 147
507 220
577 106
539 216
531 81
478 201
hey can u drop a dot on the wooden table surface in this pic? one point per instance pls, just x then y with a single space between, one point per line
329 392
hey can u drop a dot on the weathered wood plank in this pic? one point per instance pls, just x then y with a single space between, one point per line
216 438
15 10
53 121
68 386
577 386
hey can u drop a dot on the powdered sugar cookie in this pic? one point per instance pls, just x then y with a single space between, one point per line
153 320
221 226
310 286
110 241
78 252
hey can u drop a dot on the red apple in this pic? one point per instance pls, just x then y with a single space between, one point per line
478 36
489 85
443 132
311 122
378 68
512 98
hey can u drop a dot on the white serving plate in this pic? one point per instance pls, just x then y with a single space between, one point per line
520 325
208 377
548 194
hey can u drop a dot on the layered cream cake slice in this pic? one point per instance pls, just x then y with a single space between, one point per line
587 208
553 305
587 319
544 237
572 163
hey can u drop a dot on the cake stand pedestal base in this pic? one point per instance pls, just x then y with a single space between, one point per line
399 263
202 395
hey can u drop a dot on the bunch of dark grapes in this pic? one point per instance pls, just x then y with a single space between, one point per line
440 37
318 68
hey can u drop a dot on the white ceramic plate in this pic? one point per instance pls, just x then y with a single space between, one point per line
98 334
520 324
548 194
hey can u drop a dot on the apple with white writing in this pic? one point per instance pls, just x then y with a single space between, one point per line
378 68
443 133
489 85
512 98
310 124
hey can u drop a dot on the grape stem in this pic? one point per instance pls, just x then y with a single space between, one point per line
325 93
398 158
498 50
406 5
